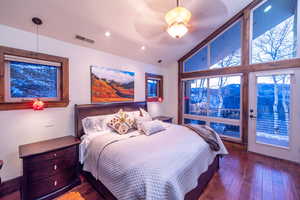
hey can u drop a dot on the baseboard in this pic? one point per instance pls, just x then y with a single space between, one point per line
10 186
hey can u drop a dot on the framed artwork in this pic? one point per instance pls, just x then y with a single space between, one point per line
111 85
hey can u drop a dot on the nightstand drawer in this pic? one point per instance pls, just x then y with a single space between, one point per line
42 169
70 151
47 185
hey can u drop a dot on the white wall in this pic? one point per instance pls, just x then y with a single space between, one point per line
26 126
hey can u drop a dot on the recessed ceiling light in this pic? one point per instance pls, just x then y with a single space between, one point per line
268 8
107 34
143 48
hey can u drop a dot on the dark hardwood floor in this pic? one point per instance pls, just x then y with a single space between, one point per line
242 176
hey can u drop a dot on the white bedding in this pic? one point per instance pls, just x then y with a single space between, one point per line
165 165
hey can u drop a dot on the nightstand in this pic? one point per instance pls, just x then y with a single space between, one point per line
50 167
164 119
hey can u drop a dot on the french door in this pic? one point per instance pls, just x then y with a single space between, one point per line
274 114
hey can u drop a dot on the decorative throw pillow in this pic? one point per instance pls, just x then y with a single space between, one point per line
152 127
121 122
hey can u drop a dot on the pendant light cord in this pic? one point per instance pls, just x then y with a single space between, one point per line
37 38
177 3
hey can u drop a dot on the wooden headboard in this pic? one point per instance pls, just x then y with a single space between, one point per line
86 110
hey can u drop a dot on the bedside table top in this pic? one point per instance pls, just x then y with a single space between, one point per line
162 118
46 146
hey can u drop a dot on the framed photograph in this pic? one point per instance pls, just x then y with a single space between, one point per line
111 85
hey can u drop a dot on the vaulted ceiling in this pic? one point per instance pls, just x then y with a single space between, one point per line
132 23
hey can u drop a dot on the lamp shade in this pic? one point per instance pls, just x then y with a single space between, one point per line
177 30
38 105
177 20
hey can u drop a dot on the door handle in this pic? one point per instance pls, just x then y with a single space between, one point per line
252 116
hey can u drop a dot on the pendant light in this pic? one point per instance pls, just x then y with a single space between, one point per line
37 104
177 20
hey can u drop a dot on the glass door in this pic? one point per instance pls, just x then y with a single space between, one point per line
273 114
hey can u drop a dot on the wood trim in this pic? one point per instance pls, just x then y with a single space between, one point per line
10 186
246 38
64 79
161 86
1 165
245 108
2 81
180 93
283 64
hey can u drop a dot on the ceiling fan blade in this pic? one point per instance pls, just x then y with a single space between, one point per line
150 25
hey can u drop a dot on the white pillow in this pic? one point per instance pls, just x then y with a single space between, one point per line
96 124
151 127
145 113
133 114
138 120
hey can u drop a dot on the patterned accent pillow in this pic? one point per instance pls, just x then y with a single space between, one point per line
121 122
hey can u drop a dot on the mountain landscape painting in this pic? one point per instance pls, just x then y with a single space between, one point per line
111 85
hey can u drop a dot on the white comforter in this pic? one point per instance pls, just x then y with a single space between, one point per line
165 165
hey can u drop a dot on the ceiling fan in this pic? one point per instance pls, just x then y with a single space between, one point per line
151 24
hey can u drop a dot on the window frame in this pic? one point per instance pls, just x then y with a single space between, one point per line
63 79
250 42
159 78
210 119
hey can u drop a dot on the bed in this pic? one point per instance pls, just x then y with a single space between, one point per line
120 178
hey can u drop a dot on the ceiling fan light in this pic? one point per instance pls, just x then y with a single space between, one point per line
177 30
178 14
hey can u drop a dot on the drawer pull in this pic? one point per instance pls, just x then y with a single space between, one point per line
55 167
55 183
55 155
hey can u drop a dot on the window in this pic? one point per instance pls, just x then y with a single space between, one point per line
225 97
223 51
28 76
273 109
29 79
198 61
274 31
196 95
216 102
154 87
